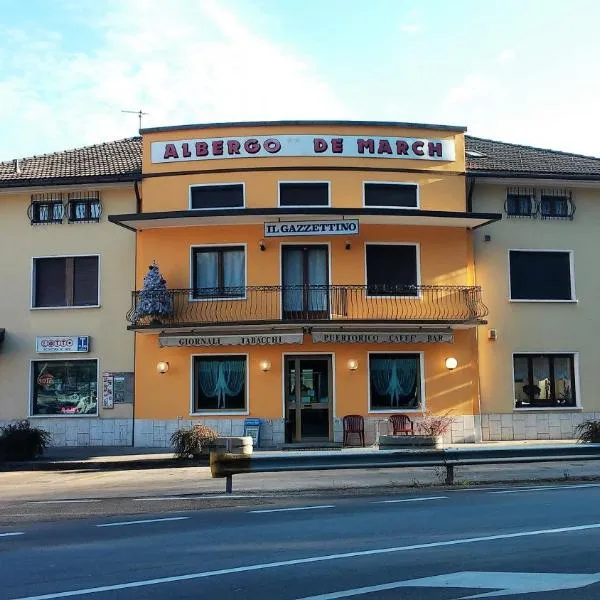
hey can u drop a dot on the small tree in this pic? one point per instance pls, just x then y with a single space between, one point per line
154 299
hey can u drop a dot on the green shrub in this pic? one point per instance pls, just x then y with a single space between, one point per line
194 441
588 431
21 441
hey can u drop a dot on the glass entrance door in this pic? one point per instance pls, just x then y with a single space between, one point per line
305 282
307 398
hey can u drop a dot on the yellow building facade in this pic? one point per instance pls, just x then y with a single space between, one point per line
300 272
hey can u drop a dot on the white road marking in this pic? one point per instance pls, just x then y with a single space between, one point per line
273 510
505 584
61 501
304 561
11 533
542 488
208 497
141 522
409 500
157 499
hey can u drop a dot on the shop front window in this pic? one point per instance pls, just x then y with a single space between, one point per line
65 387
544 380
219 383
395 381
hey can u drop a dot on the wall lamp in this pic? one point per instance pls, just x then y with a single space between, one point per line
265 365
451 363
162 367
352 364
262 246
347 245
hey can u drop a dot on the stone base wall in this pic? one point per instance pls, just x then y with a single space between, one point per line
532 425
85 431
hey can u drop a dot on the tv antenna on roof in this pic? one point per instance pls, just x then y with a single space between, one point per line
139 113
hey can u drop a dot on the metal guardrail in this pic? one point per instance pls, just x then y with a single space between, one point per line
225 465
307 303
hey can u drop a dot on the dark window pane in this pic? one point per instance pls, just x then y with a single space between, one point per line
85 281
391 195
394 381
219 272
391 270
540 275
554 206
218 196
220 383
519 205
50 282
303 194
63 387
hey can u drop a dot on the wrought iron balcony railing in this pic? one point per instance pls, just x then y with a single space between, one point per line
306 303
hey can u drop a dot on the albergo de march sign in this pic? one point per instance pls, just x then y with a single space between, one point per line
292 228
348 146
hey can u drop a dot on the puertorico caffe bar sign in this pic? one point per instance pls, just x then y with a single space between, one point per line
348 146
381 338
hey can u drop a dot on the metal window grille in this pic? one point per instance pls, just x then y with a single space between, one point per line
84 207
46 208
556 204
520 202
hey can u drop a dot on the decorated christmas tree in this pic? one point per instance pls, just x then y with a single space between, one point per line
154 300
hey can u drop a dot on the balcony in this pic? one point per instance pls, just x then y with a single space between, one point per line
268 305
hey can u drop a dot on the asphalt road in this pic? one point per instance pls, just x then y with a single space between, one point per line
538 542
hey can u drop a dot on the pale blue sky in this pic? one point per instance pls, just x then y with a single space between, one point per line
524 71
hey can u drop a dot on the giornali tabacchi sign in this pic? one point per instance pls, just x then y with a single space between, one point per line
302 145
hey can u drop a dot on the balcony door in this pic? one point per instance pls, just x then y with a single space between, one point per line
305 279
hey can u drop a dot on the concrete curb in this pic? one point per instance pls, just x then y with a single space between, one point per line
102 465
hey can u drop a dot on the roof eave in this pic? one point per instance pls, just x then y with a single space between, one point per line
76 180
532 175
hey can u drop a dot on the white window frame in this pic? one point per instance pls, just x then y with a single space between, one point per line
571 254
578 404
218 184
417 245
220 412
411 183
33 290
62 358
423 408
300 181
243 245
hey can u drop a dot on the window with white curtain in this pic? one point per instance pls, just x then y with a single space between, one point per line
220 383
394 381
219 273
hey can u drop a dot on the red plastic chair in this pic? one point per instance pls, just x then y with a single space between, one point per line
354 424
401 424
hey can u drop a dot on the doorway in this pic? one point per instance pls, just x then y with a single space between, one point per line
308 398
305 279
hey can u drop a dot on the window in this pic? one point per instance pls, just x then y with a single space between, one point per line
540 275
219 272
219 383
46 208
65 281
64 387
303 193
391 195
392 270
84 207
217 196
394 381
544 380
520 202
556 204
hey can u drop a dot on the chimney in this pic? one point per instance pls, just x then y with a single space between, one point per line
17 166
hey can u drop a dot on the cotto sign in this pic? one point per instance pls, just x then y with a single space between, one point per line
349 146
62 343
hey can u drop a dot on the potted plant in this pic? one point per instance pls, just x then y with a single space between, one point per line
433 427
195 442
21 441
154 301
588 431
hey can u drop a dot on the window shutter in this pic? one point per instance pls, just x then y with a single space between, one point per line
303 194
50 282
391 195
218 196
390 267
85 281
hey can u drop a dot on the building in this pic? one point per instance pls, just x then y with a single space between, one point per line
65 271
314 270
538 353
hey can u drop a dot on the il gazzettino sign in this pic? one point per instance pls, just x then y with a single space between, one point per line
293 228
308 145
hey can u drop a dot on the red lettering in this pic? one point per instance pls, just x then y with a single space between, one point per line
362 144
320 145
233 147
185 150
252 146
417 148
170 151
401 147
201 149
384 147
272 145
337 145
435 149
217 147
